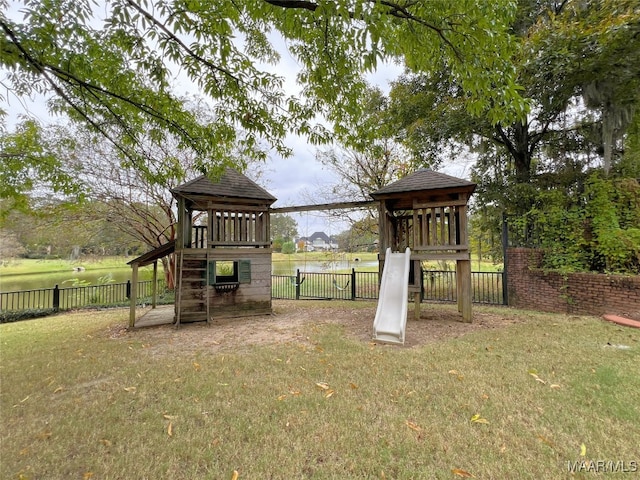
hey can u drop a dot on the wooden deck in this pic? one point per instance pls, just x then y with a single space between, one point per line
161 315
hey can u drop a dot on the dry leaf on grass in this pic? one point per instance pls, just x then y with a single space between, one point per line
461 473
478 419
413 426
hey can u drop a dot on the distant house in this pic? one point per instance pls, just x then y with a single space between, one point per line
319 241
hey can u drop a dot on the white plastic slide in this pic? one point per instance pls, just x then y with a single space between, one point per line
391 314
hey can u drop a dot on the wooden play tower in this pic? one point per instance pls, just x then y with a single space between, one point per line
427 212
222 250
224 259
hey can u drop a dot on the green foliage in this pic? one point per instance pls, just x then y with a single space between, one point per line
596 230
17 316
288 248
112 67
614 215
578 64
559 228
276 244
283 227
31 157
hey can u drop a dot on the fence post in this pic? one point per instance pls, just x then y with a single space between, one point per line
353 284
56 298
297 284
128 293
505 246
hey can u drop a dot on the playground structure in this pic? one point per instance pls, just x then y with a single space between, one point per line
390 322
427 212
223 263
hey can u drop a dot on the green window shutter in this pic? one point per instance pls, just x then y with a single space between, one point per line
244 271
212 272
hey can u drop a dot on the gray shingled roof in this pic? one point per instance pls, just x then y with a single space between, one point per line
232 184
424 179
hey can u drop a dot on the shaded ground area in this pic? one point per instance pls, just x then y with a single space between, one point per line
291 321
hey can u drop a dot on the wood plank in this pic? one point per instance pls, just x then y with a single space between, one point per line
325 206
440 203
440 248
440 256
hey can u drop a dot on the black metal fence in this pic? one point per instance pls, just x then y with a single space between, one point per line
75 297
437 286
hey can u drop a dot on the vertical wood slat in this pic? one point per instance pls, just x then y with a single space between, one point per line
434 227
442 227
236 227
463 226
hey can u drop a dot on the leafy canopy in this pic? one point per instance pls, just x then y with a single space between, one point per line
117 66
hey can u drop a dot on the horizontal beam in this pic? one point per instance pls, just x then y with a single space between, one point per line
325 206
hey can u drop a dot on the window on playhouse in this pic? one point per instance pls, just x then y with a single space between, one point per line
229 271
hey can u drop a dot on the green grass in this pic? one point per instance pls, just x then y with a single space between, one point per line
15 266
79 402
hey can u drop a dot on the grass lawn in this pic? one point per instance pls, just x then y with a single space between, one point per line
15 266
82 398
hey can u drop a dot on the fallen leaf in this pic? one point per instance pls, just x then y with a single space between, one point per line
461 473
58 390
282 397
87 475
555 386
44 435
538 379
130 389
170 429
583 450
329 393
169 417
196 365
235 475
478 419
546 440
353 386
413 426
322 386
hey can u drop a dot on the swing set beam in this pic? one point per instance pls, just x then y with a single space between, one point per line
325 206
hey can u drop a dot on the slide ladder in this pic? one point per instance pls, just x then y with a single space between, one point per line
391 315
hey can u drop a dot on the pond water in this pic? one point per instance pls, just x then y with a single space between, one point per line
69 278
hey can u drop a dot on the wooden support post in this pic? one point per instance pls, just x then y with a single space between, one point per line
134 296
154 286
463 273
417 297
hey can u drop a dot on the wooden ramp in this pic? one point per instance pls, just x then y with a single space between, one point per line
162 315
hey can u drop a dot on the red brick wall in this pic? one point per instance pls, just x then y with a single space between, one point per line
532 288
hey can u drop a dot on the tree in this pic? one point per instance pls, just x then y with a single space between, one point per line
113 68
32 161
568 52
283 227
